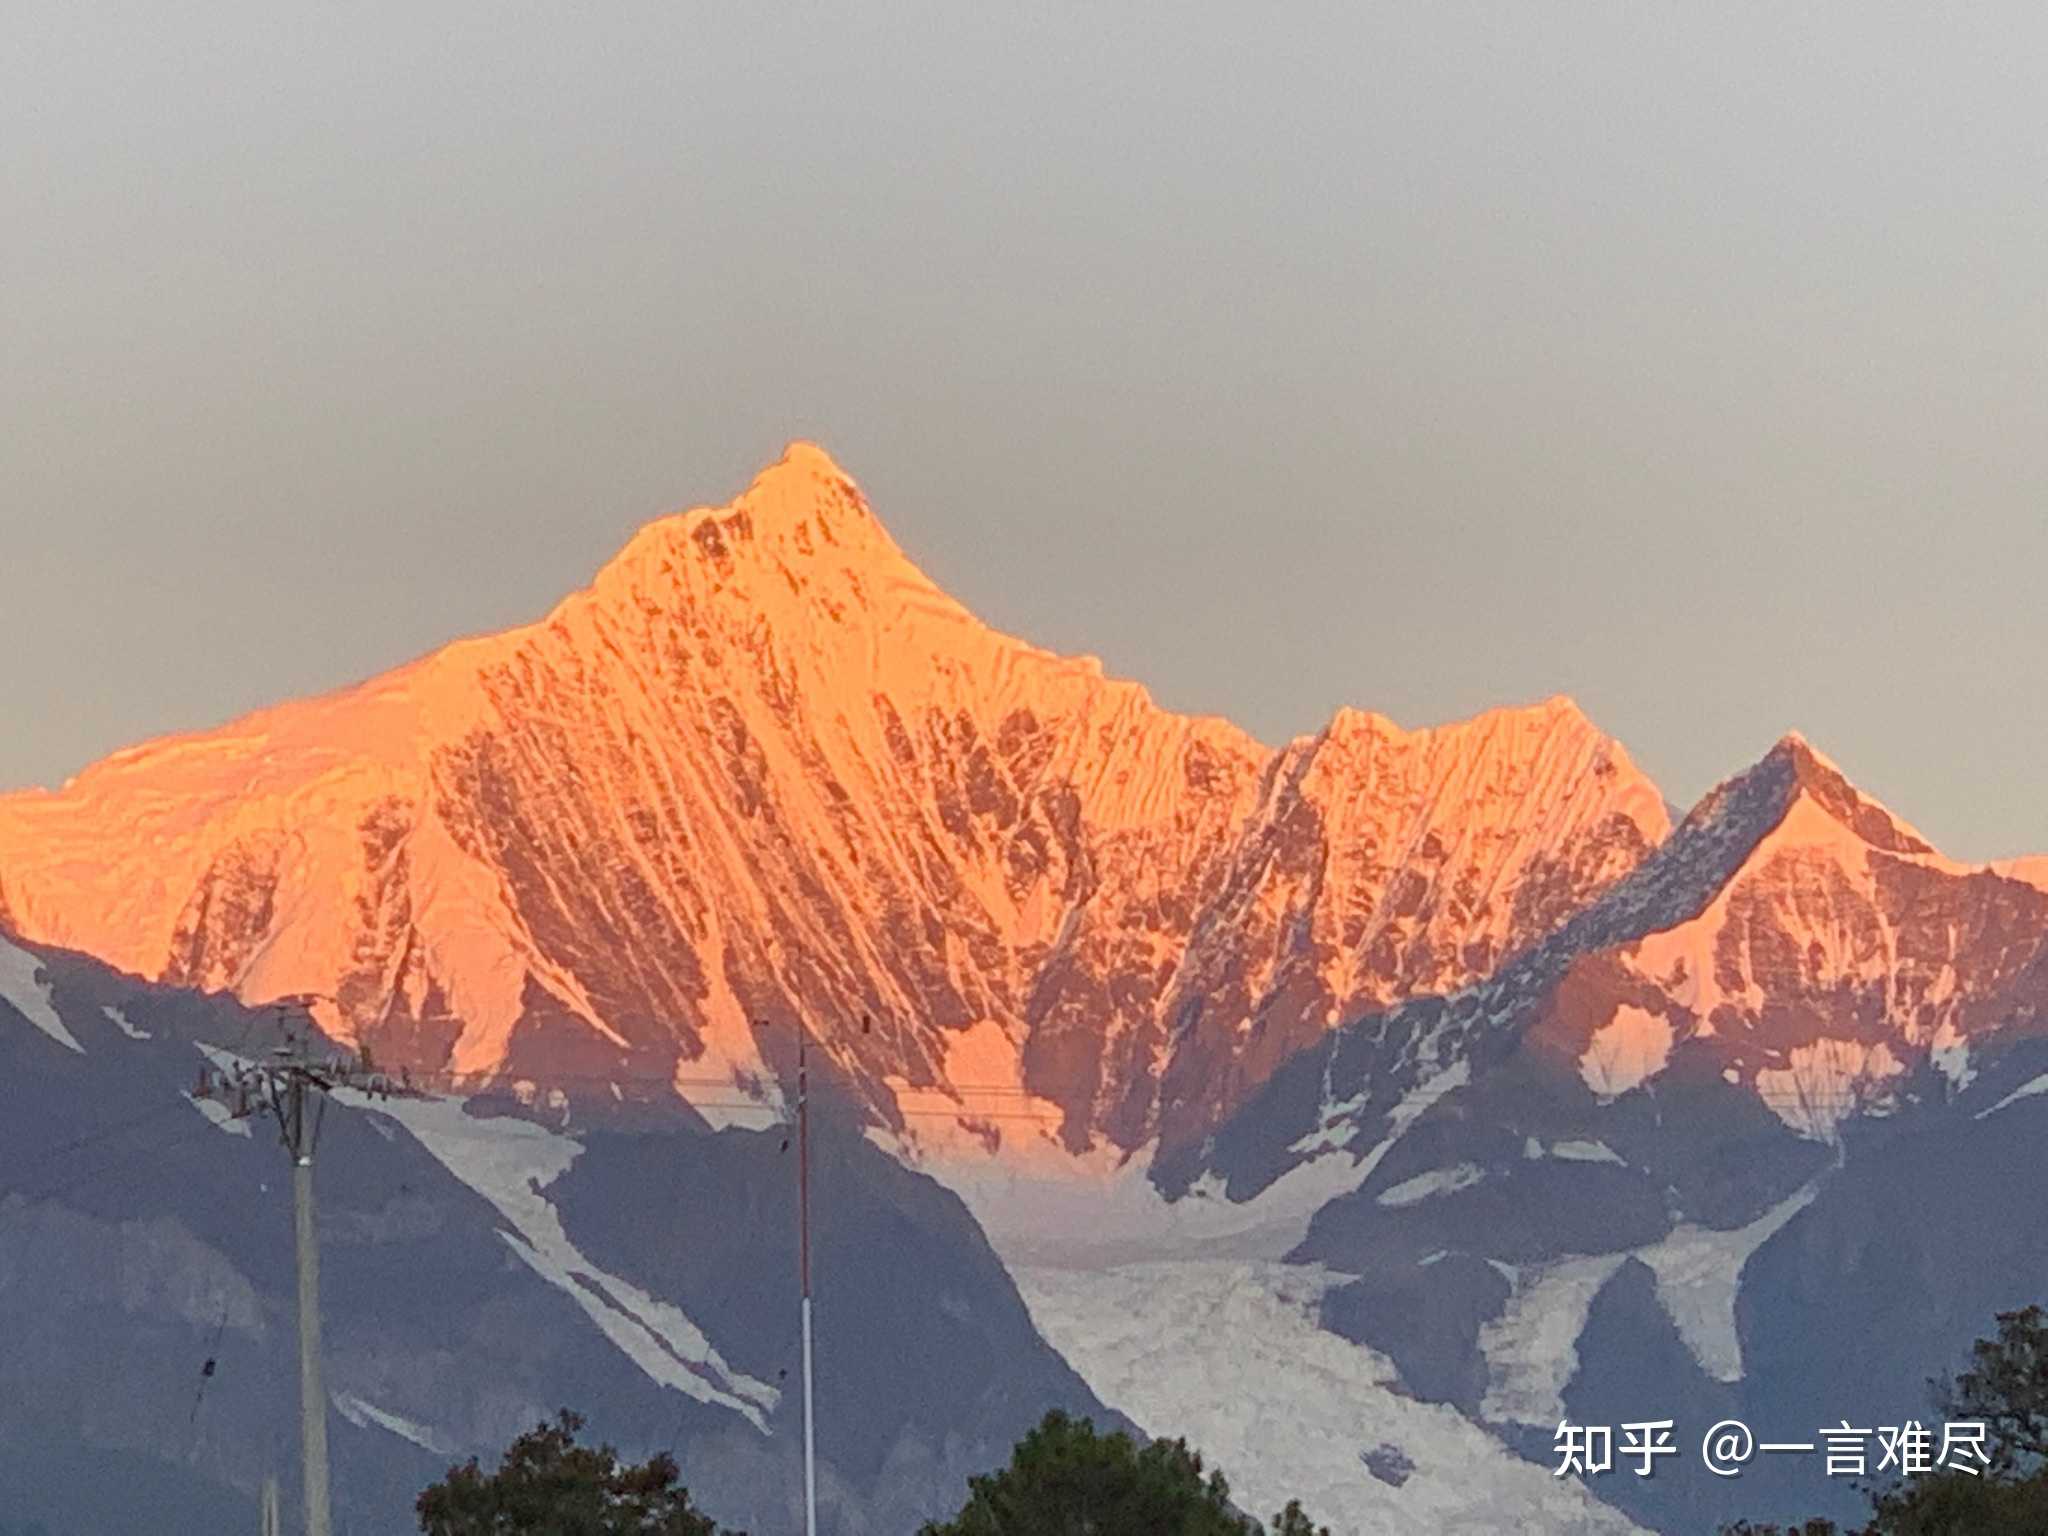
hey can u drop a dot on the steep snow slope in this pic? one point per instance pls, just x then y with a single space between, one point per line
762 767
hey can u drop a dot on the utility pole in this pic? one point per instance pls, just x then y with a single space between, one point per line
803 1220
301 1135
292 1087
803 1203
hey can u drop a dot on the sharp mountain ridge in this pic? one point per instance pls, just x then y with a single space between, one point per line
763 768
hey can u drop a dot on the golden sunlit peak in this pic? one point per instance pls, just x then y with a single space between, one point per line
795 481
1820 779
799 507
801 452
1349 721
1797 749
1794 747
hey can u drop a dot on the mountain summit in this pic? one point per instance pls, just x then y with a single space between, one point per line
1792 942
763 769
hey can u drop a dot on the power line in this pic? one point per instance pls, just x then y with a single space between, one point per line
93 1138
529 1089
1049 1117
415 1077
33 1198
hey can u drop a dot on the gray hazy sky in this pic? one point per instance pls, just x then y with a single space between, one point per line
1692 360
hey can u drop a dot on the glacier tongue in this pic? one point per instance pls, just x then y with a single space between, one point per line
1229 1356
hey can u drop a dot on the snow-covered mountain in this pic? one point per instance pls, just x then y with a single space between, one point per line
763 768
1356 1108
1642 1170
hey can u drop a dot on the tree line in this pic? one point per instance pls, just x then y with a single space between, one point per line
1066 1478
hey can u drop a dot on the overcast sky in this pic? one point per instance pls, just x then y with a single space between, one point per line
1689 360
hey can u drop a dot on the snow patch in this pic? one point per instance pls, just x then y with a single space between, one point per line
1438 1181
1949 1050
1825 1083
219 1114
364 1414
1626 1051
2026 1090
1333 1133
1587 1152
1698 1272
120 1021
22 984
510 1162
1532 1348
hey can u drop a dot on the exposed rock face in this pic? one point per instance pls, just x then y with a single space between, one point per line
763 768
